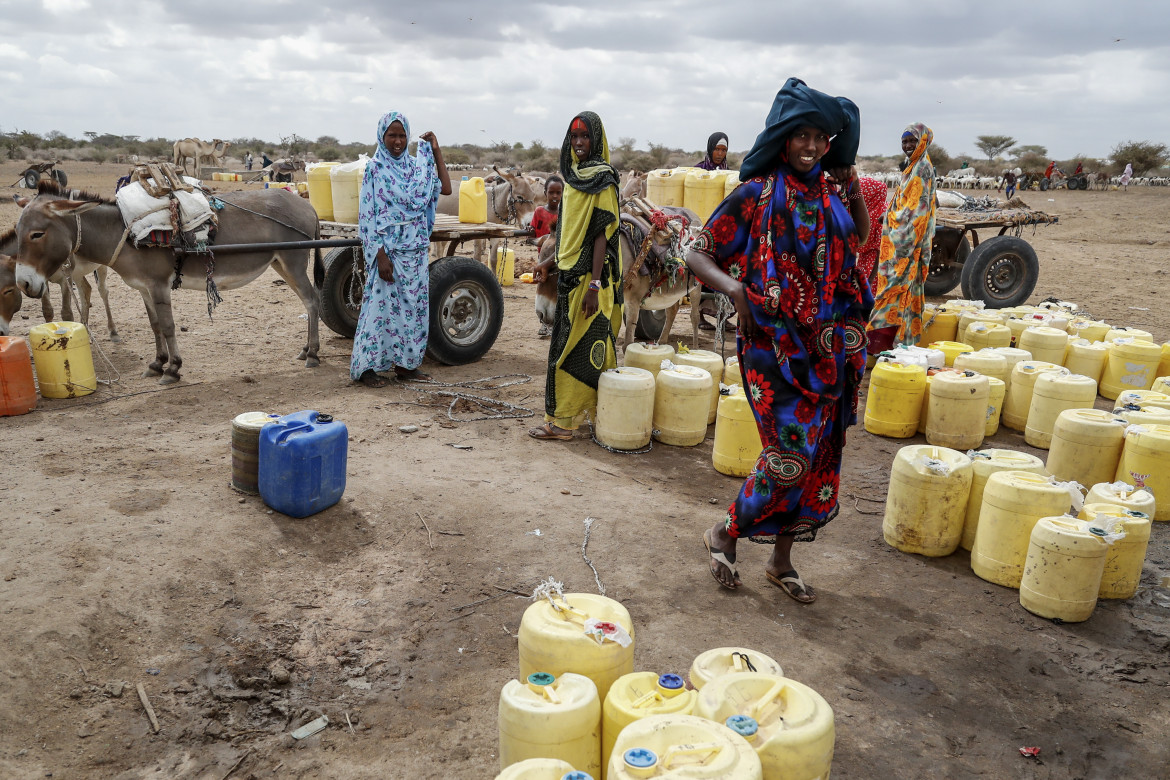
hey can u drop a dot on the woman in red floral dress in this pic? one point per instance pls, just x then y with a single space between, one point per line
784 247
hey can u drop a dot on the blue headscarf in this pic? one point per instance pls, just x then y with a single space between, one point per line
398 195
796 105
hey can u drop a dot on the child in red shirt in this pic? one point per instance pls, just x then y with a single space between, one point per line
544 219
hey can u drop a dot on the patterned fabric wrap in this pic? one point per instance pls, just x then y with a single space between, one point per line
904 258
873 193
796 105
581 348
396 212
793 244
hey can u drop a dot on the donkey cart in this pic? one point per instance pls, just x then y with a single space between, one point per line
1002 271
32 175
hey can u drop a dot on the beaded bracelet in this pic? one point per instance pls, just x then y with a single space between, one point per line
595 285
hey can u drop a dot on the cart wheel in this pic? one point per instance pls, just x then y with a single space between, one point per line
946 272
467 310
341 290
1045 183
60 176
649 327
32 178
1001 272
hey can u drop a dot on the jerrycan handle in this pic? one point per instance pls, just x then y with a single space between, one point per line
568 612
740 660
704 753
766 701
289 430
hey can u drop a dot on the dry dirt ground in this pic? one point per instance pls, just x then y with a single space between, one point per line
128 558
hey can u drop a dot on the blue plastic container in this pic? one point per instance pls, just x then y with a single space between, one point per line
302 463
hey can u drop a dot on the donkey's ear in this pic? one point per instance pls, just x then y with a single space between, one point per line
69 208
20 200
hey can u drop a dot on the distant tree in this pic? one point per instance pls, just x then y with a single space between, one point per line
994 145
328 140
456 156
660 154
1143 155
1025 149
941 159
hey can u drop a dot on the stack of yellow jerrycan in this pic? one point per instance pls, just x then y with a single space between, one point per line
1044 343
1131 365
625 408
940 323
1013 356
737 444
1052 394
709 362
1123 561
981 335
640 695
578 632
682 747
63 359
543 769
1086 358
551 717
1145 462
647 356
321 189
958 409
984 463
1013 501
984 361
666 186
1019 394
1122 494
729 660
1085 446
927 500
951 350
789 725
1063 568
893 405
682 396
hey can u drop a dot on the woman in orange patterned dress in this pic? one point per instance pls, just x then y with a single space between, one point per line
904 260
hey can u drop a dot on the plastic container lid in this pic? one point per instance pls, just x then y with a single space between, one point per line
743 725
640 758
464 178
541 678
576 775
670 682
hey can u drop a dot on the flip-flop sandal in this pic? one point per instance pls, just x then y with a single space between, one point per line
791 583
546 433
721 558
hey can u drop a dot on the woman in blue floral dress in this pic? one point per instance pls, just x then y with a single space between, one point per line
784 247
396 212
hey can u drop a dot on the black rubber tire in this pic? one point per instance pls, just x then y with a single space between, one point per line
1001 272
467 310
60 176
650 323
941 281
1045 183
32 178
336 310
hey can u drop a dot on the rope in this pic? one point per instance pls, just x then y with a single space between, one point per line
589 521
265 216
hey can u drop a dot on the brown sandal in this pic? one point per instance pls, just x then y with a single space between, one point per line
549 432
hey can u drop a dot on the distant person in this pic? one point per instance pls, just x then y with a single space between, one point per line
964 165
1049 170
716 159
248 161
1080 169
1009 183
1126 175
264 161
544 219
904 261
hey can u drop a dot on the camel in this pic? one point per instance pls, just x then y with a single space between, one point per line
218 151
54 226
193 149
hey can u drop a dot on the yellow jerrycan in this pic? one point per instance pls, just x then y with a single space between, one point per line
505 266
958 410
640 695
984 361
1012 503
1019 394
1012 355
709 362
924 415
1137 334
1017 326
681 397
703 191
1145 463
939 324
1164 363
63 359
1090 330
666 186
1124 559
543 769
1149 397
321 189
737 444
1085 447
995 394
1133 414
984 463
1162 383
648 356
730 182
968 317
951 350
472 200
625 408
893 404
1086 358
551 717
1052 394
789 725
1063 568
1046 344
681 747
731 372
345 184
1131 365
927 500
1122 494
578 632
719 661
987 335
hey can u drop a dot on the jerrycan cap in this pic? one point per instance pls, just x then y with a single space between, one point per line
541 678
743 725
324 418
640 758
1136 514
1097 531
670 684
464 178
577 775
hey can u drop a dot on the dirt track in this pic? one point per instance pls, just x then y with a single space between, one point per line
129 559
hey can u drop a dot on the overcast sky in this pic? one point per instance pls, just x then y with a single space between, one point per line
1075 76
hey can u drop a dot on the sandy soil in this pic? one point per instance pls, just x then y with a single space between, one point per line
128 559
